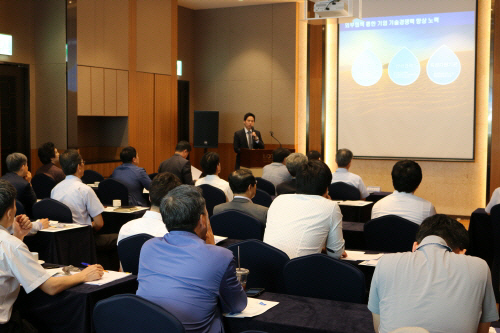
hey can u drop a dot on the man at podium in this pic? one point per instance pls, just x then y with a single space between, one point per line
246 138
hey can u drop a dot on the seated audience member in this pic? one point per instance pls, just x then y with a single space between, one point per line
313 155
178 164
303 223
210 164
342 174
19 267
244 187
49 156
293 163
20 177
435 286
151 222
495 200
406 177
136 179
191 288
277 172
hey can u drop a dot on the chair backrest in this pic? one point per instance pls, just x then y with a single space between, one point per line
132 313
390 233
266 186
343 191
265 263
213 196
129 251
111 189
53 210
19 208
91 176
262 198
42 185
237 225
152 175
320 276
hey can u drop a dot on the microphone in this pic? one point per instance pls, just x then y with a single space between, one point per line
272 135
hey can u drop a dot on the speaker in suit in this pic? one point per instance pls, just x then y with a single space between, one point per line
244 205
240 141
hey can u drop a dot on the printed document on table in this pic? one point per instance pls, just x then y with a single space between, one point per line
196 173
64 226
218 239
360 255
108 277
357 203
254 308
127 210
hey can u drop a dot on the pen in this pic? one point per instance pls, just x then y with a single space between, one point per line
86 265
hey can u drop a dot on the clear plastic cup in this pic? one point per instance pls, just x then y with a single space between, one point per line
242 276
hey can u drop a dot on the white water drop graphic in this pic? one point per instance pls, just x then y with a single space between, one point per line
366 69
404 68
443 66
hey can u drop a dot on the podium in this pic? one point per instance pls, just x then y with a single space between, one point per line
257 158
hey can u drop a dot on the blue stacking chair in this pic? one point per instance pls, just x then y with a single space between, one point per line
53 210
320 276
237 225
20 208
390 233
262 198
131 313
266 186
213 196
129 251
343 191
265 263
91 176
111 189
43 185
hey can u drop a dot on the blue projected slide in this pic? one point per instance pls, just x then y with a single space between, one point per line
406 86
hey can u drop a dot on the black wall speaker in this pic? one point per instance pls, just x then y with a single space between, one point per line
206 129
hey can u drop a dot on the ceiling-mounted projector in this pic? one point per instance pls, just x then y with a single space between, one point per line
331 8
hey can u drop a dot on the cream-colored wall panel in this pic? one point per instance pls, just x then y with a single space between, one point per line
99 31
186 43
283 41
50 32
115 34
110 92
122 93
206 95
85 30
154 36
235 98
84 92
17 19
208 53
97 91
51 104
283 110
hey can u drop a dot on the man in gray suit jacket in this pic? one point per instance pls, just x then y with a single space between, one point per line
244 187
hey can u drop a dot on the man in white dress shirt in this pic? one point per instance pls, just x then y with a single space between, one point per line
151 222
210 164
406 177
19 267
342 174
303 223
277 172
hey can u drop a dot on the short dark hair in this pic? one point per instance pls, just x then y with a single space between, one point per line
8 195
313 155
406 176
160 186
182 207
279 154
70 160
248 114
452 231
183 145
343 157
240 179
15 161
128 154
313 178
46 152
294 162
209 163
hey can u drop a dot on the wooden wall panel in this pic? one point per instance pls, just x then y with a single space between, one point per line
105 169
110 92
495 122
97 91
122 93
84 99
163 145
315 85
141 120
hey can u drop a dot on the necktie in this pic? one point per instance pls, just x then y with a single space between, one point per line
250 141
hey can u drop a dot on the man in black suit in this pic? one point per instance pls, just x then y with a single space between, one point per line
178 164
294 162
247 138
20 177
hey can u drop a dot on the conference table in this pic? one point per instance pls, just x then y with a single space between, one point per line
72 309
113 220
296 314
